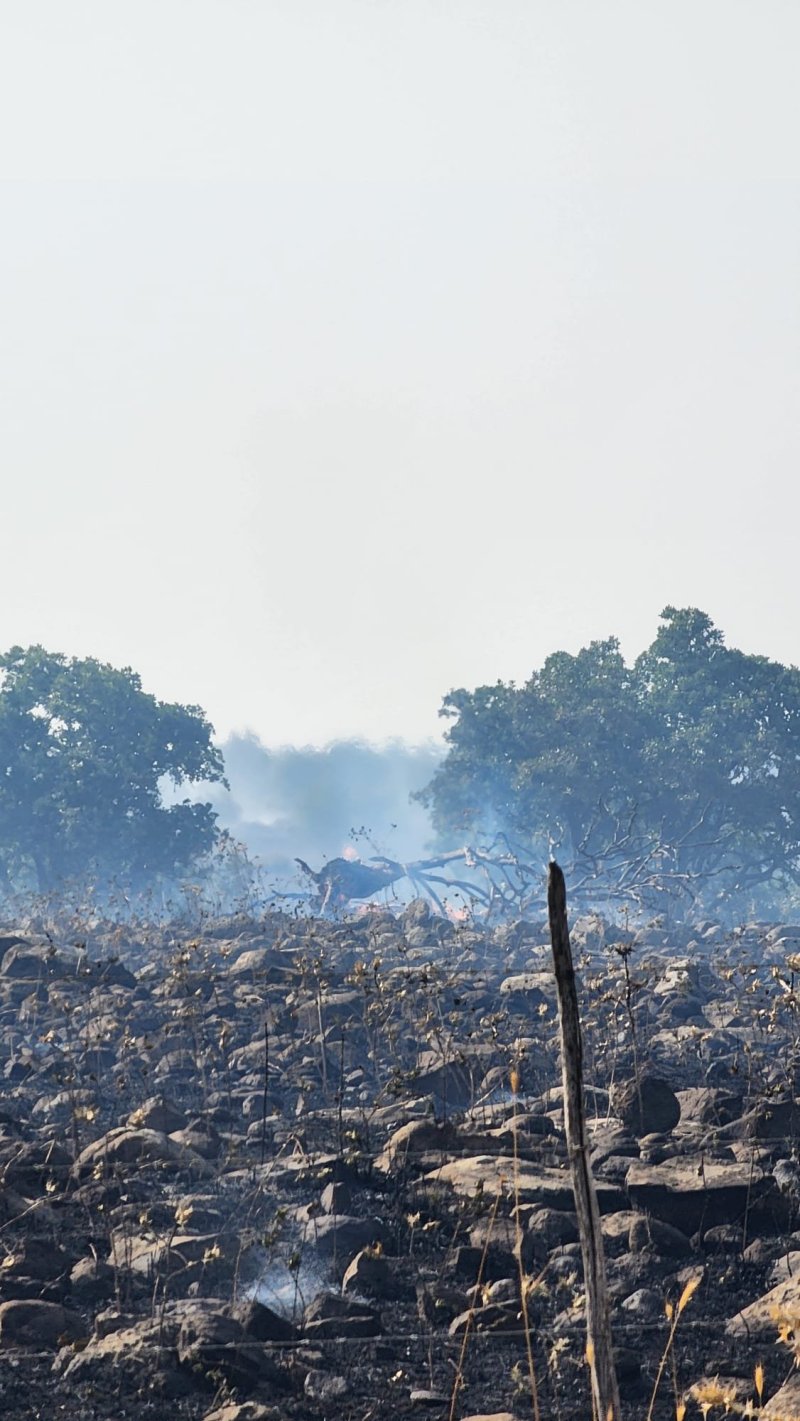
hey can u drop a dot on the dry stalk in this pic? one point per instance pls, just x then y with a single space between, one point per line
523 1282
459 1377
673 1314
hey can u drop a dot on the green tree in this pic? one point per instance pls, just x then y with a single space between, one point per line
724 754
84 754
681 772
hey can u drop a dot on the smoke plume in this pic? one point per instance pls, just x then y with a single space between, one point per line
316 804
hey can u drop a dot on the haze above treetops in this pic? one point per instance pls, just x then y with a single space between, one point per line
357 352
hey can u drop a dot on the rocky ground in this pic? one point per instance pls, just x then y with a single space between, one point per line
299 1169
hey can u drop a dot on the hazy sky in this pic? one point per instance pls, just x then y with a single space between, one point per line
355 350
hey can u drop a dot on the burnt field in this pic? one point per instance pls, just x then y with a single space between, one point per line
296 1168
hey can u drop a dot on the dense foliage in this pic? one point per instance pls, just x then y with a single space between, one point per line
678 775
84 754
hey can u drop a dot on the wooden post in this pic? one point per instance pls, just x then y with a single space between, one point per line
598 1311
266 1092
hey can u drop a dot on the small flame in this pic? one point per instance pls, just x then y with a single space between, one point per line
456 915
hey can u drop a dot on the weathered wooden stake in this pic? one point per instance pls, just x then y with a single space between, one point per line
598 1310
266 1092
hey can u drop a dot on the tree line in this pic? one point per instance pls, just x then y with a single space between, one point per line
86 756
672 780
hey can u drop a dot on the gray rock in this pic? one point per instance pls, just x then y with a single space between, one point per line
643 1303
786 1173
242 1411
554 1227
29 1322
127 1146
757 1319
215 1344
647 1107
786 1401
686 1192
324 1387
343 1235
144 1351
664 1239
494 1317
23 963
438 1304
261 1322
336 1198
157 1113
328 1315
368 1275
91 1279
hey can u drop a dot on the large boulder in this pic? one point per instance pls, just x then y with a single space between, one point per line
528 1183
688 1193
367 1275
328 1315
128 1146
143 1350
29 1322
24 963
215 1344
261 1322
342 1235
760 1318
159 1114
415 1139
38 1167
647 1106
180 1256
785 1404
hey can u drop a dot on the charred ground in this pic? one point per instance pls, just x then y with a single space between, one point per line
177 1239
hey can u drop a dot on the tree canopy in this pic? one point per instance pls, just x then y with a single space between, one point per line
679 774
84 755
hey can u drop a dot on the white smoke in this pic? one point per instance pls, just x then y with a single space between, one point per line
315 804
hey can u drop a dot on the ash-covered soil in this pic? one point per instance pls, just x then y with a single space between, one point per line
299 1169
